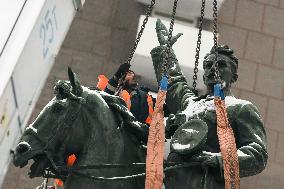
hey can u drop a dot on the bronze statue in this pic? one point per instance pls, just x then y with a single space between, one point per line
187 110
94 126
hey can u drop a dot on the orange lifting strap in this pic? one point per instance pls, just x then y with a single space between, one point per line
155 146
228 146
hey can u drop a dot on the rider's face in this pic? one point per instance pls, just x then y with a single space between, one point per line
223 64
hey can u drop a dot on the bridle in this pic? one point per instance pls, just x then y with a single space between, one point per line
67 122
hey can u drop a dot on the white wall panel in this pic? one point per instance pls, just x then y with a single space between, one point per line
7 110
39 52
9 127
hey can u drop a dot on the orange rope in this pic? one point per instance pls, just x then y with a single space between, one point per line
155 146
228 146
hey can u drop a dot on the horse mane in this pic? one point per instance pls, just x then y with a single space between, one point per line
124 117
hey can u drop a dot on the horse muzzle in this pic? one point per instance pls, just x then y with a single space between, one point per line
21 149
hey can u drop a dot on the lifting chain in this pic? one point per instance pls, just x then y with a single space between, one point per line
215 31
139 35
168 50
149 11
215 39
198 46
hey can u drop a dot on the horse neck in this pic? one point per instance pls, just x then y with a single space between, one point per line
104 141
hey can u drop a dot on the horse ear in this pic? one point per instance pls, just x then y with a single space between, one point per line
74 81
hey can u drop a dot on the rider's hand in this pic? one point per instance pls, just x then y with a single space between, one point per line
208 159
123 69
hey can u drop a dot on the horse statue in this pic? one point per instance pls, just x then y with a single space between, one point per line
93 125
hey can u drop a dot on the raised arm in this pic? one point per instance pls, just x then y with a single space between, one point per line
178 94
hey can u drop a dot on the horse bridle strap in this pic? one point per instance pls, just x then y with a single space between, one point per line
69 119
76 169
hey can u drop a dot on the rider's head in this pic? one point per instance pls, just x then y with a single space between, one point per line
226 63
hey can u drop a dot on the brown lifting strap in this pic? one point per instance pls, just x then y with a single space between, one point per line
155 147
156 137
228 146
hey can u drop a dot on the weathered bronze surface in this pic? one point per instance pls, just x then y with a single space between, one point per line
94 126
184 105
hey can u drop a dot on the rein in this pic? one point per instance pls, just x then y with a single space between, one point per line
69 119
76 170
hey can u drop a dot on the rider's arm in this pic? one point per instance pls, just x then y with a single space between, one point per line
179 94
250 140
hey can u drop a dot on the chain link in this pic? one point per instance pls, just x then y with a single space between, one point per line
215 31
168 50
149 11
139 35
198 46
215 21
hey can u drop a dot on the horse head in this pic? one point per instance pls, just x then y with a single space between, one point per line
95 126
61 128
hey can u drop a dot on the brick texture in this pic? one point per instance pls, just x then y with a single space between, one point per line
236 92
101 44
78 38
227 12
234 37
273 21
270 82
63 60
98 11
121 37
261 75
249 15
271 143
272 177
18 179
278 54
246 72
248 182
279 150
123 10
87 63
256 50
269 2
275 115
282 4
259 101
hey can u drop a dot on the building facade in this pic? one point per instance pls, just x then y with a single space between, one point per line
100 39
